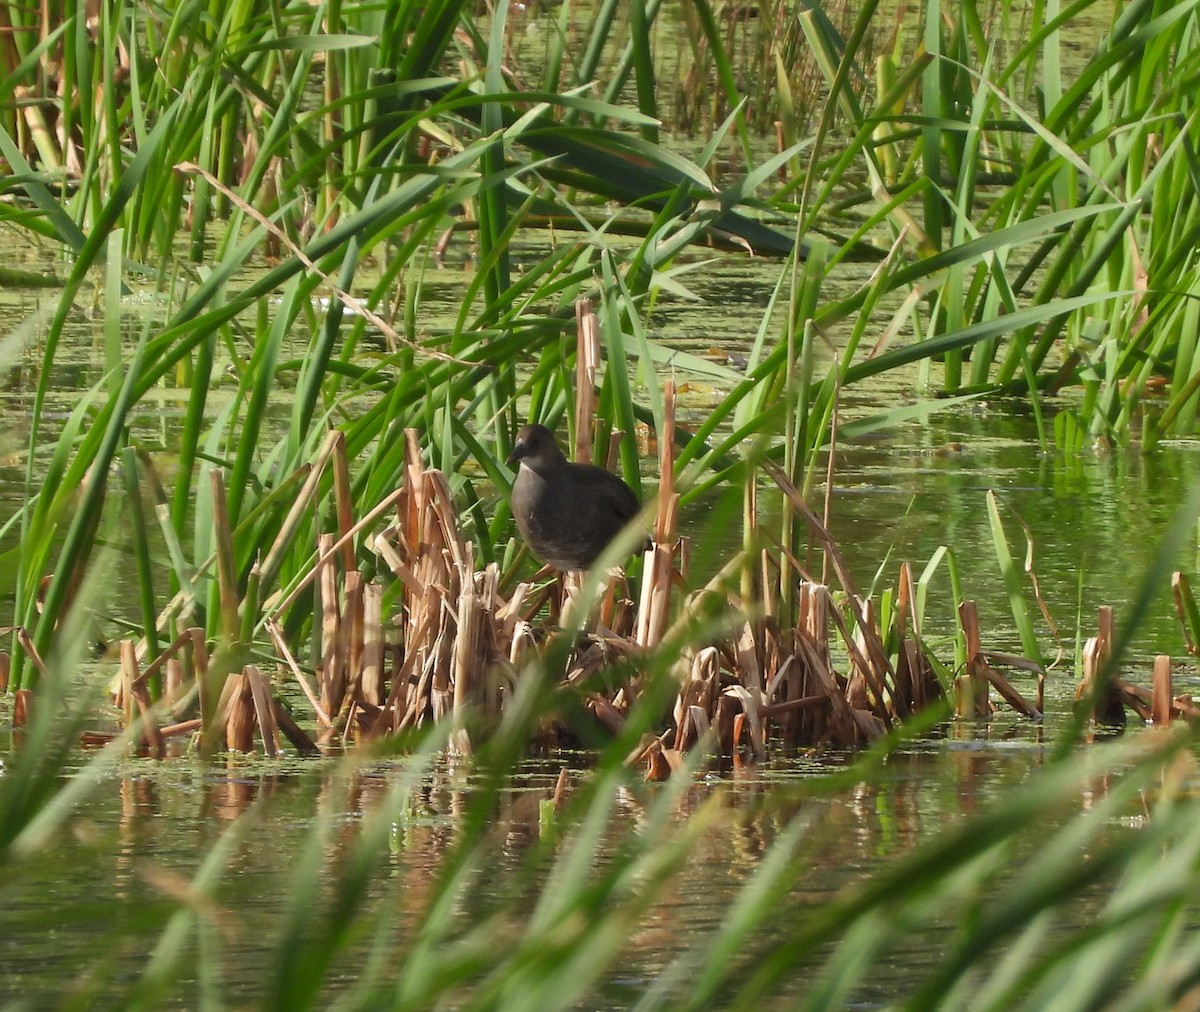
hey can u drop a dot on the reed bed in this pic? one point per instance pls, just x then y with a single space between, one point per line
451 643
445 640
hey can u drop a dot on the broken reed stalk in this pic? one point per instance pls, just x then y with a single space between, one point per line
658 564
264 709
135 694
236 713
971 687
916 683
587 366
1162 693
1099 690
25 641
372 678
330 671
465 647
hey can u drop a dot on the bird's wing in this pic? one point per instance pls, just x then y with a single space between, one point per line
611 488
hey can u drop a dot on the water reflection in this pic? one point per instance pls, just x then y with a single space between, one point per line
142 838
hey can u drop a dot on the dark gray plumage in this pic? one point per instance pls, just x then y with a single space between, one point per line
567 513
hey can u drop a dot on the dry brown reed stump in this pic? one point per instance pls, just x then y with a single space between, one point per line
454 642
1105 696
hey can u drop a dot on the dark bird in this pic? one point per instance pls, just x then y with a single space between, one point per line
567 513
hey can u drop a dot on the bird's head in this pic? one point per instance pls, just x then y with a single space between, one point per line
535 446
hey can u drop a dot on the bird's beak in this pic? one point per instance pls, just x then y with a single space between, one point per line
519 450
